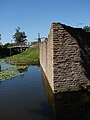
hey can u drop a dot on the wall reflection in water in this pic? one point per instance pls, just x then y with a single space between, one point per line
68 106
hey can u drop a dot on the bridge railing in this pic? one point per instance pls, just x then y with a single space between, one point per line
20 44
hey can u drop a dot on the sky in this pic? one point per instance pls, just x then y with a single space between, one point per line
36 16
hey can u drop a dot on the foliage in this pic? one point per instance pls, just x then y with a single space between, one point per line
30 56
2 61
86 28
14 68
19 36
6 45
1 45
6 75
12 71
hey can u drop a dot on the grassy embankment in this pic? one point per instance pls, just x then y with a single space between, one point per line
30 56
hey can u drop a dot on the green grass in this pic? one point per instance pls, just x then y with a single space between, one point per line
8 75
9 72
30 56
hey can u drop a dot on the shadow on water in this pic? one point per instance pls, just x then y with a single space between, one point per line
44 112
68 106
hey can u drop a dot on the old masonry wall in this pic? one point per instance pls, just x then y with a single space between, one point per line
61 58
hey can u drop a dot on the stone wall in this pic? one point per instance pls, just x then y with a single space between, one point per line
62 60
46 58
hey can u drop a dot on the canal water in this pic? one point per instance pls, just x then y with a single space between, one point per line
29 97
24 98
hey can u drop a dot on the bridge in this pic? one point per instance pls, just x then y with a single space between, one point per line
19 45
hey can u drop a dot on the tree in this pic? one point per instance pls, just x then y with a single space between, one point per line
86 28
1 45
6 45
19 36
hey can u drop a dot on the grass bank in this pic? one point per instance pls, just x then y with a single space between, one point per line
29 56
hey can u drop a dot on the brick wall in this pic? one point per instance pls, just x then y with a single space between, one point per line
46 58
60 58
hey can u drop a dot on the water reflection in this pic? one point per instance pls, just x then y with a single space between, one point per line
68 106
0 68
23 70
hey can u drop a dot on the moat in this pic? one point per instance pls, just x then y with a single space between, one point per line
28 97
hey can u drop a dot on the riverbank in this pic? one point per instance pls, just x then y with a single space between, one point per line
28 57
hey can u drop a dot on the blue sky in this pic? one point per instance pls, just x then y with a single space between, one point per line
36 16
